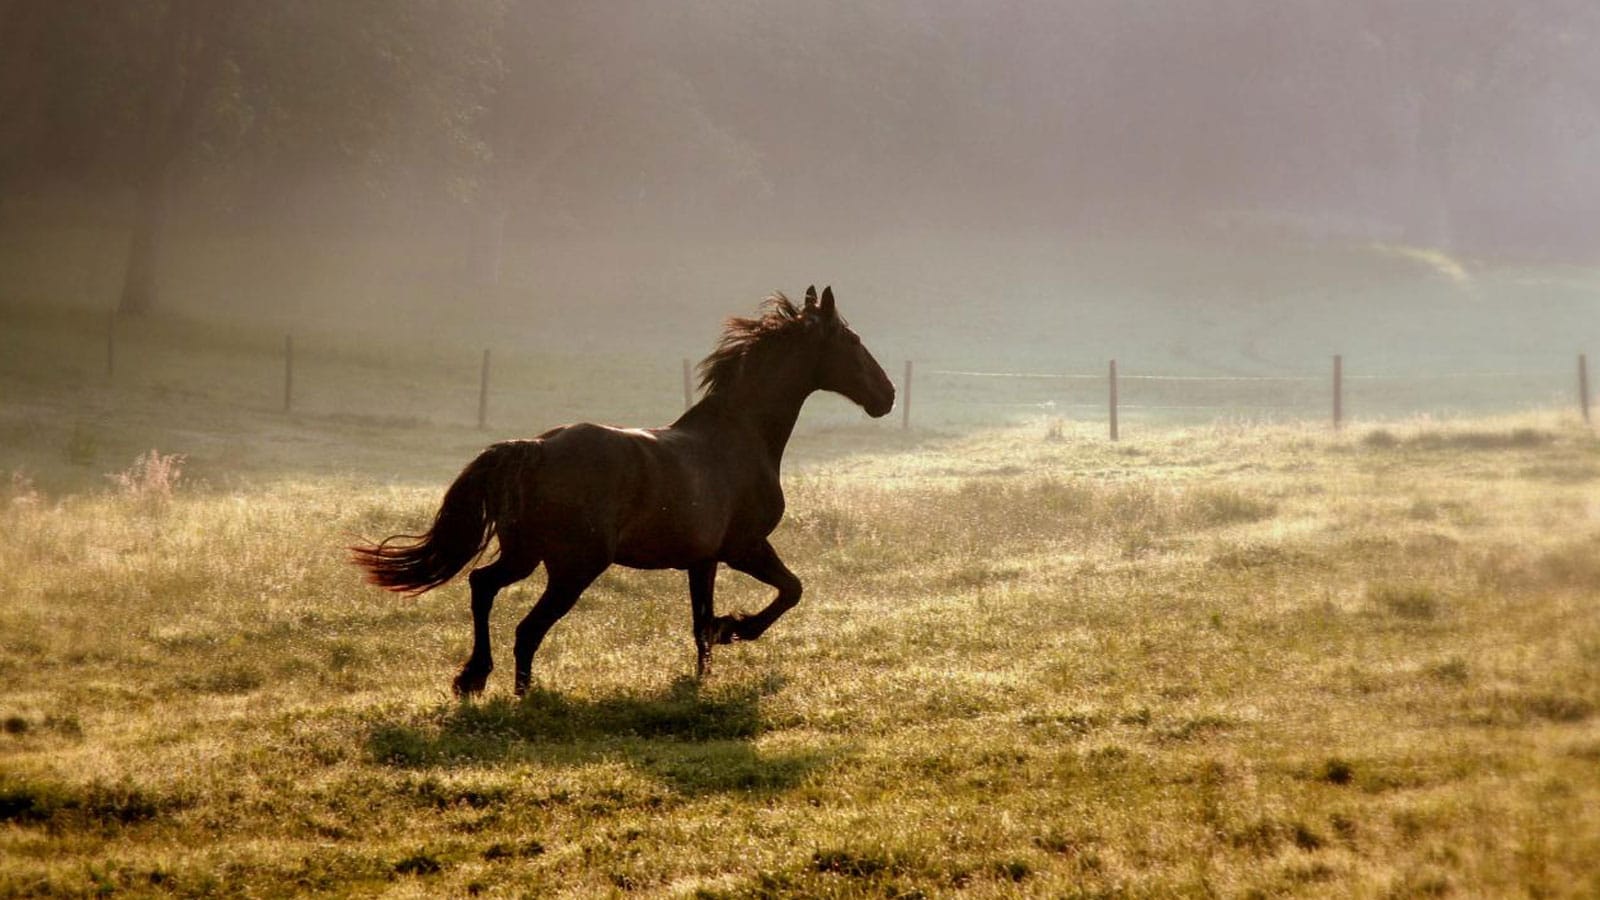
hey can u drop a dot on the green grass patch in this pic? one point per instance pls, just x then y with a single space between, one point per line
62 805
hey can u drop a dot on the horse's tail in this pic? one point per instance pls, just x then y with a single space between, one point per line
487 494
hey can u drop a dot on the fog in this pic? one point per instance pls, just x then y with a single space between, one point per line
609 173
1210 504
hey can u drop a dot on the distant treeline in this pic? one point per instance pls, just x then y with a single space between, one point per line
1445 121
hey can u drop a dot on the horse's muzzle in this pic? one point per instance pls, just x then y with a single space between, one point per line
880 404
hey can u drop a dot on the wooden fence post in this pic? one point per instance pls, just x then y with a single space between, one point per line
688 386
288 371
1583 385
1113 399
905 401
1338 392
483 393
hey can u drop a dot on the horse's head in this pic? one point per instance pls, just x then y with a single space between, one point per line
844 364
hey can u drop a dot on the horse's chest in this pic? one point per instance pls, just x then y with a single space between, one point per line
759 511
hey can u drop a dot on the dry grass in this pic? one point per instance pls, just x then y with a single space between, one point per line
1264 661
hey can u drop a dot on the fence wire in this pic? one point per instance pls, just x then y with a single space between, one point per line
1295 394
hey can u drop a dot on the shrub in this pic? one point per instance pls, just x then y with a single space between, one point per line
419 863
1337 771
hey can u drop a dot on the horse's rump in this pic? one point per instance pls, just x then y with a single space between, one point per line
489 495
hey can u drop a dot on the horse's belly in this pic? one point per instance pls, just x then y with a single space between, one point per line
668 539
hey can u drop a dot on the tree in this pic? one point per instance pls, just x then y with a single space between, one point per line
22 78
159 99
190 53
379 94
1455 77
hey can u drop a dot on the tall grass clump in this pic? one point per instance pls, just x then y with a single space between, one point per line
1219 506
152 478
1414 601
21 490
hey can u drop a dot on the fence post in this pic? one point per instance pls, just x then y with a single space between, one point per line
111 345
288 371
1113 399
905 401
688 389
1338 391
483 393
1583 385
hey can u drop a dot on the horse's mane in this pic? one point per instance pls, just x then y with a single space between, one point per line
777 316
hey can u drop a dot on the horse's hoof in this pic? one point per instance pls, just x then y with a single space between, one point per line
469 684
727 630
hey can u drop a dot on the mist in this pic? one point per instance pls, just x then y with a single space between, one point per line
1170 469
520 163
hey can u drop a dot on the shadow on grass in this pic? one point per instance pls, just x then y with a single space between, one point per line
699 741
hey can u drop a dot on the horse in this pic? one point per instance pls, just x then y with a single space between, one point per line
698 493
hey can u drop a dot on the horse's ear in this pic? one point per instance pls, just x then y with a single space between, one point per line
827 301
811 297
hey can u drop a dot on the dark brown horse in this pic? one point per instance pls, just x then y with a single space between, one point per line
699 492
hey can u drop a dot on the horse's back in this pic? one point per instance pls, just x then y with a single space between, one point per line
611 458
653 496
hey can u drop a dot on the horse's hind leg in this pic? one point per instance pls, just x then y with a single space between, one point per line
486 581
567 582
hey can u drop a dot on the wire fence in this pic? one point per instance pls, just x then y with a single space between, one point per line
950 395
1300 396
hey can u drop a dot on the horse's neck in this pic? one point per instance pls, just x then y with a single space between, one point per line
775 424
767 410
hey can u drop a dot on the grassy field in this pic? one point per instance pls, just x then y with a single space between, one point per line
1264 661
1251 657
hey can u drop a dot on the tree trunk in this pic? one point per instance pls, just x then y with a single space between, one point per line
141 283
172 107
23 71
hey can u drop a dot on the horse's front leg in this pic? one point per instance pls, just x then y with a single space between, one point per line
702 587
761 562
